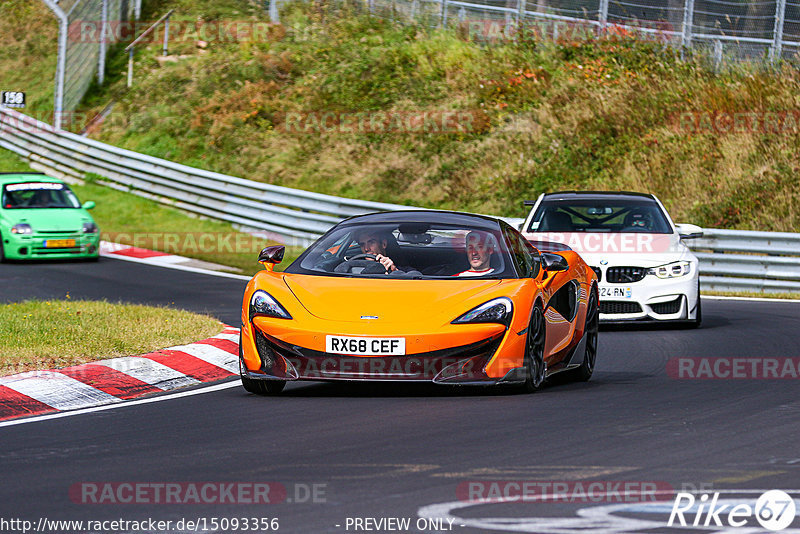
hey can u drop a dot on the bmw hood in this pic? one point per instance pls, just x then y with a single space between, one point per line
408 301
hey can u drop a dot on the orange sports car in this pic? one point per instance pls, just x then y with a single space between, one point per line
451 298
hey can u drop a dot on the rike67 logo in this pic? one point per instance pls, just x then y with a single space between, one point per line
774 510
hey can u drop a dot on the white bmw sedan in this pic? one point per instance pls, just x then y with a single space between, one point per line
646 272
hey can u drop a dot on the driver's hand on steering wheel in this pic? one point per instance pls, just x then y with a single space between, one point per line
386 261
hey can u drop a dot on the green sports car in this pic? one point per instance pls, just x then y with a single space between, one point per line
40 217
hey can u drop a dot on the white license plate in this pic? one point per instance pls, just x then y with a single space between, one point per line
366 346
616 292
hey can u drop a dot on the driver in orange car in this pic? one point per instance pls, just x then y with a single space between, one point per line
480 247
376 242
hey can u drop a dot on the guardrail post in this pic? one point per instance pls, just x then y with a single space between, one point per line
521 13
130 67
129 49
603 15
688 22
101 60
61 65
444 13
777 43
273 11
166 36
717 54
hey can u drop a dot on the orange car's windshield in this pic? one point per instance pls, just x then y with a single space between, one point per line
415 250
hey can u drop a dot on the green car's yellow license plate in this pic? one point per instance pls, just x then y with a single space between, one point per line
59 243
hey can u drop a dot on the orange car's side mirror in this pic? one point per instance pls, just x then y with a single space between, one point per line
269 256
554 262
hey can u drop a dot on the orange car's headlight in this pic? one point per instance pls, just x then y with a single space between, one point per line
498 310
263 304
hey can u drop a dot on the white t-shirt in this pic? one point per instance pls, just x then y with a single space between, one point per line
470 272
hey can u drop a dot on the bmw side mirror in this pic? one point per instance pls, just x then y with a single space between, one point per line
269 256
553 262
88 205
689 231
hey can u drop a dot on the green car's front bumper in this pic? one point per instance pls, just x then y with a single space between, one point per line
51 246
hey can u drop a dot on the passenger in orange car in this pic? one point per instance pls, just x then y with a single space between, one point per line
375 242
480 247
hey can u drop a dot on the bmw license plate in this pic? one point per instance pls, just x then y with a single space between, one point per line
616 292
366 346
59 243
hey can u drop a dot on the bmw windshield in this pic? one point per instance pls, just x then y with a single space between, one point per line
599 215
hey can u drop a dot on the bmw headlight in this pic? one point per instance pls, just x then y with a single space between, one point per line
21 228
498 310
263 304
89 228
675 269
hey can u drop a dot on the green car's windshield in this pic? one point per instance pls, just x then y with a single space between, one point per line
38 195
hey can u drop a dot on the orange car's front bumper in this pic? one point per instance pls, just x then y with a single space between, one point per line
464 354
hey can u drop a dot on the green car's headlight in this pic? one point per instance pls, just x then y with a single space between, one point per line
89 228
675 269
498 310
263 304
21 228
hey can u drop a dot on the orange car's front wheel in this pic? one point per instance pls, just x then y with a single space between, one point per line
259 387
535 367
584 372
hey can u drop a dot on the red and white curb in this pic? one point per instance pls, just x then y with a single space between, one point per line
118 379
116 249
162 259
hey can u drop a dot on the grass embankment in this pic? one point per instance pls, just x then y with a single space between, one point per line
132 220
50 334
28 53
576 114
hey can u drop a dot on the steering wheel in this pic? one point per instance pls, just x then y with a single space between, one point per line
361 257
360 260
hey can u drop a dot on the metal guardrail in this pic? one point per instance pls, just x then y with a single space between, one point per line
737 260
300 215
730 260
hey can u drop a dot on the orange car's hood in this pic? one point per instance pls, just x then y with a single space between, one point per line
348 299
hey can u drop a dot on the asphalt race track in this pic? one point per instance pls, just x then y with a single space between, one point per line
379 451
